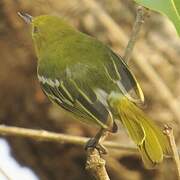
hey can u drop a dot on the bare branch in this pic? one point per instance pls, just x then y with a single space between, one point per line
140 17
169 133
95 164
42 135
3 173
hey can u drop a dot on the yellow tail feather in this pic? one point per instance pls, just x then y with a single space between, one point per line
149 138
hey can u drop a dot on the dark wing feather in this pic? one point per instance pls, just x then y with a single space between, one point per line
119 72
71 97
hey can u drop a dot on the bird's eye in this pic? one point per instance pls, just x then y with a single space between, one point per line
35 29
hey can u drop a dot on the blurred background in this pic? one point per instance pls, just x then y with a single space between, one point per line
155 62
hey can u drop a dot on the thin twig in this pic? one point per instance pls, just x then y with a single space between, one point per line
3 173
42 135
140 17
169 133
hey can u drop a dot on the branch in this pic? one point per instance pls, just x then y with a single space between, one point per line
4 174
42 135
95 164
140 17
168 131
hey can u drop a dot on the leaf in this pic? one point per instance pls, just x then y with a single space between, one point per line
170 8
177 5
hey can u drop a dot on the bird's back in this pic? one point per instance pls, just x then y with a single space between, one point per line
79 73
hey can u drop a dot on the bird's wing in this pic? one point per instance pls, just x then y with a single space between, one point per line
78 99
119 72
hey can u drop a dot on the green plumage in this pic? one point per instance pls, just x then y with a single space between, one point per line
88 79
84 66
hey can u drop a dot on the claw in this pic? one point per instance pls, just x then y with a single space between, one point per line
93 143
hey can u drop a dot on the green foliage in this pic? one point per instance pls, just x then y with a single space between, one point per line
170 8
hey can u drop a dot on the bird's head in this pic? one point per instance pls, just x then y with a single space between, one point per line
45 28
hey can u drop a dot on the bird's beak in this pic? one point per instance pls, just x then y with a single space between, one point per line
26 17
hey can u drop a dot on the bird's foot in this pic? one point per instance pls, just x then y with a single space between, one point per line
94 143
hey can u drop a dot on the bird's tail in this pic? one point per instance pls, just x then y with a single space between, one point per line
149 138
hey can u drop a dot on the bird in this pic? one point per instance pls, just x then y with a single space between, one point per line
90 81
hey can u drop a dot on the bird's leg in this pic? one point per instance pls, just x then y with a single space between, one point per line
97 140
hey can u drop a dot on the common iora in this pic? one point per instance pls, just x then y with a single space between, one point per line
87 79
